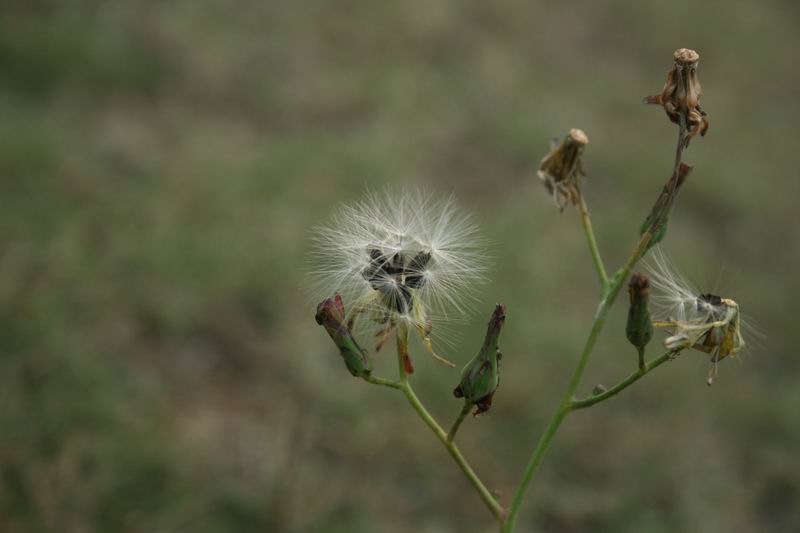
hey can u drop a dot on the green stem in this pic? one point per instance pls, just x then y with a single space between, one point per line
610 295
382 381
622 385
612 287
455 453
590 238
451 435
642 364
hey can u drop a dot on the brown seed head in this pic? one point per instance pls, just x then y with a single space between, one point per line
686 55
559 169
578 136
680 97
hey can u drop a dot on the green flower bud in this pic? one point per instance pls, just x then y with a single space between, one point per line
480 377
639 328
331 315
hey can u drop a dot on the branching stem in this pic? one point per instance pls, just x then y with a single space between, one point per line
446 439
610 290
622 385
610 293
455 453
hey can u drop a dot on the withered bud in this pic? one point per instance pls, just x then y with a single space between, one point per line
480 377
680 97
559 170
330 314
639 328
656 221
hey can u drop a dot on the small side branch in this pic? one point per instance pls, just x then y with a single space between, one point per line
451 435
487 497
622 385
452 449
383 381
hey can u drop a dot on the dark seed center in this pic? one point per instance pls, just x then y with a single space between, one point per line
394 276
715 302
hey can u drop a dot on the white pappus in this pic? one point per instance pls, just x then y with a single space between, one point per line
401 259
701 321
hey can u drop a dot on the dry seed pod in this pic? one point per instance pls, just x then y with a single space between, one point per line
559 170
680 97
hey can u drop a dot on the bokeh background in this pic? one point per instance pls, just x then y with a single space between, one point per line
162 164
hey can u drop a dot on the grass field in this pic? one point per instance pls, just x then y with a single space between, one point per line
162 165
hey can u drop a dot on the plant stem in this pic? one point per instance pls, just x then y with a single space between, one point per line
609 296
622 385
642 364
560 413
451 435
382 381
455 453
595 251
610 293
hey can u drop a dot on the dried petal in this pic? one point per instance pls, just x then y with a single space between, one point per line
560 168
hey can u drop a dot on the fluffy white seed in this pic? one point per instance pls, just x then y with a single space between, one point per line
704 322
399 255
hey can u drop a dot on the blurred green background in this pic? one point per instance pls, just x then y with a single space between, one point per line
162 163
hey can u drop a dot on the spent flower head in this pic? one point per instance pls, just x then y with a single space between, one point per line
560 169
399 258
697 320
680 97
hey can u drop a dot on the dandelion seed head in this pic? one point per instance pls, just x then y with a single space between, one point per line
399 255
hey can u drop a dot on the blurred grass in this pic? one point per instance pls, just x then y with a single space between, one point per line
162 164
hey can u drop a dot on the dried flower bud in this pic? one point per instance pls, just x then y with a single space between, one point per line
480 377
680 97
639 328
331 315
560 168
656 221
